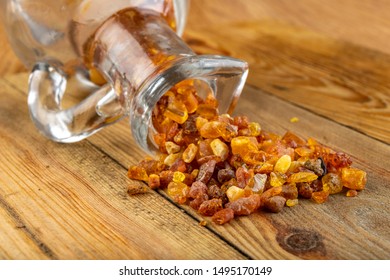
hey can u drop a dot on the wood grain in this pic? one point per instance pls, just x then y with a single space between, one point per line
366 23
338 80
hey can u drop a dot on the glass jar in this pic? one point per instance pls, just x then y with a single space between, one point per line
119 57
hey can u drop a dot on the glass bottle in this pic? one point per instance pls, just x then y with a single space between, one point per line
118 56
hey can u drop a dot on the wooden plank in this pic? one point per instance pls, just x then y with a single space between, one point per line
13 231
365 23
72 201
338 80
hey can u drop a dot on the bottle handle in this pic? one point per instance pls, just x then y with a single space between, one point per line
47 86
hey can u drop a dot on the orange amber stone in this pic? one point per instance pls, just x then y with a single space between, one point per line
215 129
320 197
176 111
220 149
190 153
353 178
178 191
301 177
351 193
331 182
137 173
241 145
154 181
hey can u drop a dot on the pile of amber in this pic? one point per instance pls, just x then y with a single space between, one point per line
225 166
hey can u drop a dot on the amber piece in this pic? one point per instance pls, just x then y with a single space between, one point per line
205 148
165 178
190 153
320 197
283 164
152 166
154 181
241 145
225 175
137 173
304 190
170 159
171 147
207 111
291 202
245 205
220 149
233 193
210 207
277 179
178 191
289 191
214 191
241 122
197 189
259 183
215 129
331 182
274 204
243 176
351 193
293 140
176 111
191 102
178 176
265 168
353 178
139 188
302 177
274 191
316 165
223 216
206 170
304 151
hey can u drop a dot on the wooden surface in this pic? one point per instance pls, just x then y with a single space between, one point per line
308 60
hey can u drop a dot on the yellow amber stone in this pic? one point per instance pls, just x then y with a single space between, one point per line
178 191
283 164
304 151
190 153
233 193
171 147
195 173
176 111
137 173
241 145
320 197
199 122
254 129
351 193
215 129
207 111
291 202
178 176
220 149
331 182
170 159
277 179
353 178
302 177
191 103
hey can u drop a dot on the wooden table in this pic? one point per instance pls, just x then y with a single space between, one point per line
327 64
